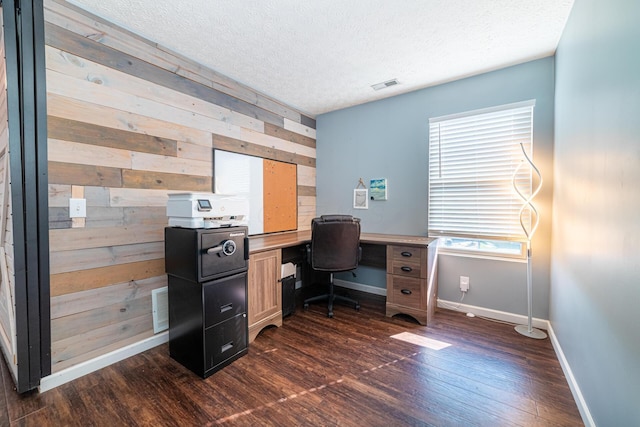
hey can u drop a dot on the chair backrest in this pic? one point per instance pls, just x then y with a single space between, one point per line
335 243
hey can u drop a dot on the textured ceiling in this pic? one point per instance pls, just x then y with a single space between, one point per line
323 55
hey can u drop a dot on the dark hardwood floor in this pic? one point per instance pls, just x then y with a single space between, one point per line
316 371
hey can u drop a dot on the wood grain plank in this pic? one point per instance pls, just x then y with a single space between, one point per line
98 338
88 238
114 118
306 211
306 202
97 93
145 215
306 176
59 195
299 128
67 173
307 121
242 147
4 135
304 190
87 133
89 355
96 196
78 302
93 278
304 222
99 216
138 197
83 69
81 323
193 151
101 54
273 142
288 135
168 181
59 218
85 154
81 259
177 165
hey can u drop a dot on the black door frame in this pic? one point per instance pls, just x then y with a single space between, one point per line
27 116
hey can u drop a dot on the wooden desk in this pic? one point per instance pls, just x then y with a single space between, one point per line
409 262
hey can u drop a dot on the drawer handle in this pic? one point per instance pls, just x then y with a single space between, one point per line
407 269
406 291
226 347
406 254
226 307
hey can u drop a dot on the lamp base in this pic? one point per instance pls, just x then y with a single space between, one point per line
533 333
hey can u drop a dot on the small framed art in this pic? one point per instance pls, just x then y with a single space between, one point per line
361 198
378 189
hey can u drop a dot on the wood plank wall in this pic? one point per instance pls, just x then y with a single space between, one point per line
128 123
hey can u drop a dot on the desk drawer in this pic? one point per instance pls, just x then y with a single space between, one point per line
407 261
224 298
225 341
406 291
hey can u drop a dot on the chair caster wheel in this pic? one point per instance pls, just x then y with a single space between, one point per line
330 315
358 307
305 307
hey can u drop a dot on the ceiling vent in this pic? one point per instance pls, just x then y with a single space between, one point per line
383 85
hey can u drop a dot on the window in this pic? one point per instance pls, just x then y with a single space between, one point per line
472 159
503 248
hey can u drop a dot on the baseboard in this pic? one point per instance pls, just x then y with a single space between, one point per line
587 419
503 316
84 368
360 287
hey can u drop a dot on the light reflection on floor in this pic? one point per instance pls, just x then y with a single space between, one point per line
421 341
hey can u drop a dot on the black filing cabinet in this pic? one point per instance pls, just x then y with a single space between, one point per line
207 278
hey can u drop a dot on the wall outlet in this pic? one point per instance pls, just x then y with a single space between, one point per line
464 283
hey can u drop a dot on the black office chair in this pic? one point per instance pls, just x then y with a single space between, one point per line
335 247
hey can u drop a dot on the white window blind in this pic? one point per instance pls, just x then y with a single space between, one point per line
472 158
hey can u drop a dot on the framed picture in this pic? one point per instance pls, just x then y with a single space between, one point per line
361 198
378 189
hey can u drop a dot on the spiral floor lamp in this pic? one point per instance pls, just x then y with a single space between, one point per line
527 205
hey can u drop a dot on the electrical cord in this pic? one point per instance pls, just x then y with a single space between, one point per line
457 308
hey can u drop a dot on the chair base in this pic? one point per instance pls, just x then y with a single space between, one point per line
331 297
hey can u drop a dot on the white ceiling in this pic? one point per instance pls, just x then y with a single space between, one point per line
324 55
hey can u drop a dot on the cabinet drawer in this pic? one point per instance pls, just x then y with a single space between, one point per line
225 340
407 261
406 291
224 299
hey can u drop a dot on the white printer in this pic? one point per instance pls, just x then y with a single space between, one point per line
207 210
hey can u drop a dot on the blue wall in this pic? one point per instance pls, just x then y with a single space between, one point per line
596 230
389 139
